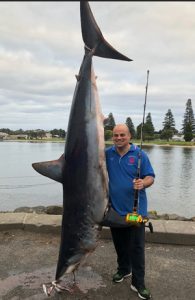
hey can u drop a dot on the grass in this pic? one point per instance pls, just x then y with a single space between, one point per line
159 142
137 142
55 140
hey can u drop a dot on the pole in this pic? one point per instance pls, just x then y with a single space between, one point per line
144 110
134 218
139 157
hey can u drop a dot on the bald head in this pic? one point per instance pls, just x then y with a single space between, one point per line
121 136
121 127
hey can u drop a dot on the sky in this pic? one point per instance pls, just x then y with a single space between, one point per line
41 50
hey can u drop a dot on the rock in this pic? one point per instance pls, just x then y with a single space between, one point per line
173 217
54 210
152 216
192 219
164 217
153 212
23 209
36 209
179 218
39 209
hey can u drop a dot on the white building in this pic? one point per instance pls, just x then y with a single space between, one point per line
3 135
178 138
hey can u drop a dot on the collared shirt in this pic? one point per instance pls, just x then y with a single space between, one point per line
122 170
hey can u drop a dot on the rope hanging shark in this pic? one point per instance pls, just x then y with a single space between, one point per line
81 169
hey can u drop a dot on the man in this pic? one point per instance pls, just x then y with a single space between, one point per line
122 164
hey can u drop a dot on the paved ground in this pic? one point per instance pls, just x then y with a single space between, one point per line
28 259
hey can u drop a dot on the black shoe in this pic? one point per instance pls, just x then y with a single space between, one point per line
119 276
142 292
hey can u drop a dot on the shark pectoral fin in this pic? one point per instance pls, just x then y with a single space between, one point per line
52 169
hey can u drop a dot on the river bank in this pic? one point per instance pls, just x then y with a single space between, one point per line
161 143
58 210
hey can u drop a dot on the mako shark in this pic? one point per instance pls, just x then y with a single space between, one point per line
81 169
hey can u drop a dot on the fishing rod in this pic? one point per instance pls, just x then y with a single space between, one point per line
142 125
134 217
140 152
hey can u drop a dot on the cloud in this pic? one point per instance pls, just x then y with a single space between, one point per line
41 51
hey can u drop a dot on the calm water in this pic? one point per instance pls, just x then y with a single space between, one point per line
20 185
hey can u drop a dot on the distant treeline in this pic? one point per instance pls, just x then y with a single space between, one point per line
34 134
168 130
168 126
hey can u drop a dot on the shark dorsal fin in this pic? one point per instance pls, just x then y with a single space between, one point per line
52 169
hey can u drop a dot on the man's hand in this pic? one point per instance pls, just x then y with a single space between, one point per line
140 184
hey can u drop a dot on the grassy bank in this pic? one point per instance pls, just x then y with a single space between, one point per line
51 140
137 142
160 143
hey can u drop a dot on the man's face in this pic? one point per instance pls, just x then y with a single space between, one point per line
121 136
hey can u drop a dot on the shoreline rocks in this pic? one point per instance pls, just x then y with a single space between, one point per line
58 210
49 210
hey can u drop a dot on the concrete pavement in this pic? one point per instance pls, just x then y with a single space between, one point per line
165 231
28 259
29 253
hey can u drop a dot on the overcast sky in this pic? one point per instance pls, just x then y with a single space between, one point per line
41 50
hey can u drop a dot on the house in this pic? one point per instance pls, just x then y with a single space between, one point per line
22 136
17 137
48 135
3 135
178 138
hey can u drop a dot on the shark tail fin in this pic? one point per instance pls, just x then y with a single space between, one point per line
52 169
93 37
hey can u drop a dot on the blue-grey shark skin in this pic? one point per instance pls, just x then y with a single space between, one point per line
81 169
85 189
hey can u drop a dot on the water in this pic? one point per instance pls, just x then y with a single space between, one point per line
21 185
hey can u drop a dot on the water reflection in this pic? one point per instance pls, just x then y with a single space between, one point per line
20 185
148 148
174 184
187 162
186 175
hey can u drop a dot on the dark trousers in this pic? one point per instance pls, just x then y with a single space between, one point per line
129 244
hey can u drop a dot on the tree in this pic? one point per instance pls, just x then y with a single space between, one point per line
40 133
148 128
19 131
33 134
62 133
169 122
109 123
166 134
188 135
6 130
168 126
107 135
131 127
138 135
188 125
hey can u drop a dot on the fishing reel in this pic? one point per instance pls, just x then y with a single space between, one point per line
137 220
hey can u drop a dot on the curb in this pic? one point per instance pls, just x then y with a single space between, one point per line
31 222
165 231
